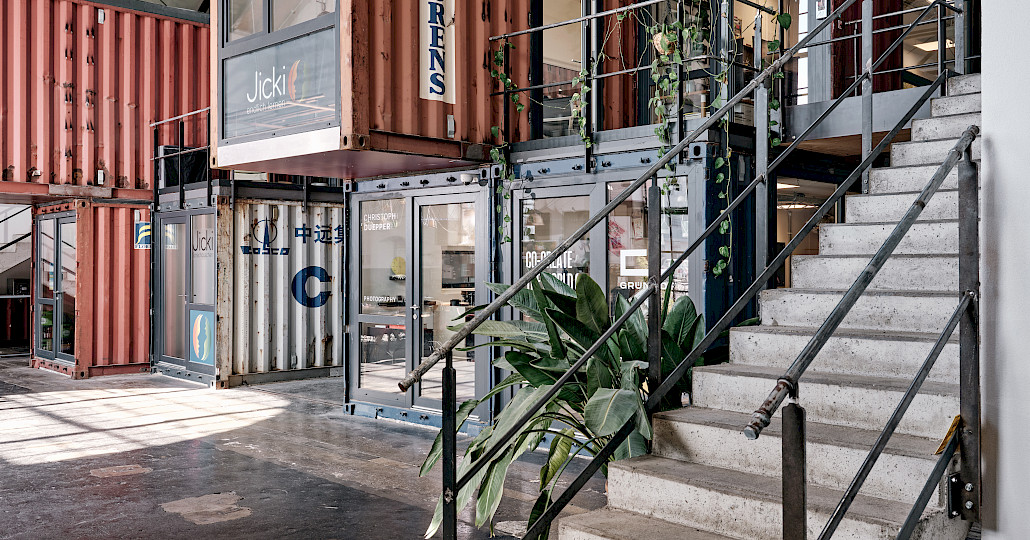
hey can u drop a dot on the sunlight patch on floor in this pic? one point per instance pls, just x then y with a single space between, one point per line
56 426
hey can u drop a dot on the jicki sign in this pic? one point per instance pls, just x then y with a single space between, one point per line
436 51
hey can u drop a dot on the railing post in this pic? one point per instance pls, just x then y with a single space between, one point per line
450 451
795 476
961 42
969 337
942 43
178 163
867 86
761 159
654 273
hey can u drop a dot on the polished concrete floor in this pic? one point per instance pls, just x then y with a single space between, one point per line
146 456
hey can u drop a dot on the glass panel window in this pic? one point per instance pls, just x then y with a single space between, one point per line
46 327
246 17
47 258
448 273
548 221
382 356
202 258
384 266
174 255
627 238
68 281
563 60
287 13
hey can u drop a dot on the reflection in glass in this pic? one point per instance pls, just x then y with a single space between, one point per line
287 13
447 236
173 244
67 286
562 61
627 238
382 356
202 258
246 17
47 258
545 223
383 263
46 327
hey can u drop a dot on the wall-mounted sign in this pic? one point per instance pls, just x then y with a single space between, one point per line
141 235
201 338
822 9
436 51
284 85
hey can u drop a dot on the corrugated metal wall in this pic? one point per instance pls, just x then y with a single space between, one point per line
393 30
270 328
112 302
78 94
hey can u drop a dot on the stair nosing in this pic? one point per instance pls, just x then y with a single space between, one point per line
893 384
869 292
674 528
849 333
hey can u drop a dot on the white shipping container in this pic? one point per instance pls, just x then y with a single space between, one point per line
281 303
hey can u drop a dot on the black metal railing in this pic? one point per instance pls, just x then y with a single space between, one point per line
162 160
659 388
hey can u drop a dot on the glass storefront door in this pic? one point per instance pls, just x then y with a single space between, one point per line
548 216
186 283
56 281
420 264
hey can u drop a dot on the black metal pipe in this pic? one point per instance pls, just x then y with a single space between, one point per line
583 18
178 164
969 335
795 476
654 271
449 450
893 422
929 488
15 241
761 417
207 166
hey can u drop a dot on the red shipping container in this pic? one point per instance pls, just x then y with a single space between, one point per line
111 293
83 81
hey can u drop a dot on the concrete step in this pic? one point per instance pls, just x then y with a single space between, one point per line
848 352
856 401
747 506
964 84
907 179
904 311
953 105
612 524
900 273
834 453
882 208
904 154
945 127
924 238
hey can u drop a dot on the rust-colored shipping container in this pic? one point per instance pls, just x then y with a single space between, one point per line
98 277
387 96
82 82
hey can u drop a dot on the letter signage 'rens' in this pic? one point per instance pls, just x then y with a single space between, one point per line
436 50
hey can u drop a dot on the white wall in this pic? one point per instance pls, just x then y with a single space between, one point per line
1005 308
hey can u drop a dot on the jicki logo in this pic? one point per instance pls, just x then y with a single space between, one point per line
279 84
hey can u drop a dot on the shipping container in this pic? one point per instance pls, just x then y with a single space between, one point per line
83 81
91 268
376 88
280 303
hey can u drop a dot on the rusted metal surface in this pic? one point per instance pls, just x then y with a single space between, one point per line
280 288
385 126
112 300
82 83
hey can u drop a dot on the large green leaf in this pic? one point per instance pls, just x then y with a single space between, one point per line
609 409
473 451
463 413
634 445
565 303
523 300
581 334
492 488
499 329
632 340
552 282
519 405
557 345
599 375
630 373
557 455
591 304
680 322
636 322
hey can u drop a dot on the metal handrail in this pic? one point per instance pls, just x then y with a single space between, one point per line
15 241
928 488
181 116
787 384
584 18
653 170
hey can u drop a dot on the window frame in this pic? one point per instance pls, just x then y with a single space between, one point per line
266 36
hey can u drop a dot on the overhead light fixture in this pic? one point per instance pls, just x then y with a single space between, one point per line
795 206
931 46
781 185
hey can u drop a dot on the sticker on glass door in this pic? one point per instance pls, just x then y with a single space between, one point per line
202 326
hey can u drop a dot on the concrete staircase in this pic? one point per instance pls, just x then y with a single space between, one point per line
705 481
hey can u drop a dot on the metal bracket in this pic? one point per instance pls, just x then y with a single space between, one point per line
954 495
